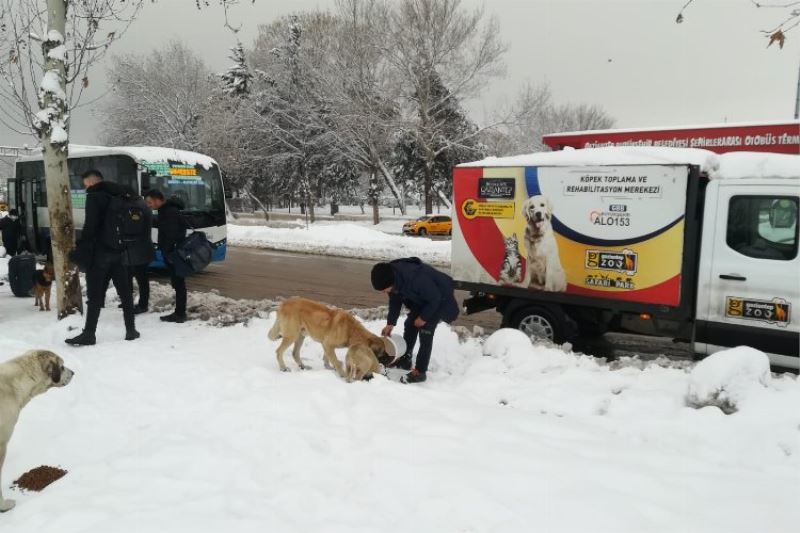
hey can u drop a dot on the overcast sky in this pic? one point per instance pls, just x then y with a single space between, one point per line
628 56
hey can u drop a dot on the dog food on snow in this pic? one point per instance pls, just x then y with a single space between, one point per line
39 478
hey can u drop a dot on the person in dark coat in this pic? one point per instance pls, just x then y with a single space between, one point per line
428 295
171 231
11 229
102 257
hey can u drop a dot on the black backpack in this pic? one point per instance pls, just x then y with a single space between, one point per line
126 221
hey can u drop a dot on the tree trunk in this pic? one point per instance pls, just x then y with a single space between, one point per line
53 105
373 196
257 201
444 199
428 186
389 179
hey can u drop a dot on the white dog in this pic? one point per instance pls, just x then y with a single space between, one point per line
544 271
21 379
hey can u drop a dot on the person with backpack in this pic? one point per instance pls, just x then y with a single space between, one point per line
11 230
429 296
171 232
112 223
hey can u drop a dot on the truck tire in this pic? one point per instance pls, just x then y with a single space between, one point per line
539 323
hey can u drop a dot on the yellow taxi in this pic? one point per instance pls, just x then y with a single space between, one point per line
429 225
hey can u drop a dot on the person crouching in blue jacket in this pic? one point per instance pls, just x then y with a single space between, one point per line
428 295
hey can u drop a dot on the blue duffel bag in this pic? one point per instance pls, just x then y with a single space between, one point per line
192 255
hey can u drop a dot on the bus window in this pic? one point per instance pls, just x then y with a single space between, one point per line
117 168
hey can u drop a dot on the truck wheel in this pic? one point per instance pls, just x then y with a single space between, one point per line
422 232
539 323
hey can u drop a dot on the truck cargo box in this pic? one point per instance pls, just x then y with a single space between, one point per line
575 225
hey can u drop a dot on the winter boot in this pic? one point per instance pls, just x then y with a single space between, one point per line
174 317
415 376
84 339
131 334
139 309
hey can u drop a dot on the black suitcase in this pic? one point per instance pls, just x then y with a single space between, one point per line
21 269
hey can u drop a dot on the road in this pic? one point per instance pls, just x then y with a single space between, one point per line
256 274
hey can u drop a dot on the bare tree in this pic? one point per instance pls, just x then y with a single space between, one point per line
436 43
788 19
157 99
39 92
535 115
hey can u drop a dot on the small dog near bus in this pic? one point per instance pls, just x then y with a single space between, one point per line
42 284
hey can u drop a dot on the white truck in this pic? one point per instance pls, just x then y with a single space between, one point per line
681 243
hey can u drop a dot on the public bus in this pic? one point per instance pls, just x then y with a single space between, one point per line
194 178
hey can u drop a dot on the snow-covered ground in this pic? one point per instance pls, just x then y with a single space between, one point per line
345 239
192 428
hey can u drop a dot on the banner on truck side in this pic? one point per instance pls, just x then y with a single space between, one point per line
610 232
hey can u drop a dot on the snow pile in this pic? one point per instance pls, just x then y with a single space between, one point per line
725 379
344 240
194 429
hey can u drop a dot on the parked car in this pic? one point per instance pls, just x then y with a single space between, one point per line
429 225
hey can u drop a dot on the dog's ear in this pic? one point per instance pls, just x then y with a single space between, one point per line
51 365
549 207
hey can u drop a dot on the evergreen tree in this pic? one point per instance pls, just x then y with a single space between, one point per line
424 157
236 81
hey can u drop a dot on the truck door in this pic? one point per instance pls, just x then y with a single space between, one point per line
749 282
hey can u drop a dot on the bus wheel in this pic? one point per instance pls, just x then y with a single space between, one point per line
539 323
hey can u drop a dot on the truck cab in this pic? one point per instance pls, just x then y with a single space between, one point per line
749 268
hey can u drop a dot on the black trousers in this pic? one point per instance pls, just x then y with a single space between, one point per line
179 284
142 277
425 335
107 267
11 248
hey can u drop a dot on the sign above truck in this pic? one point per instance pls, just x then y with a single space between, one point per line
601 231
776 137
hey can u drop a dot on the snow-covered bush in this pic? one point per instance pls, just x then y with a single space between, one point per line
726 378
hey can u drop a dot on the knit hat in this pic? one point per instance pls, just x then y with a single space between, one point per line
382 276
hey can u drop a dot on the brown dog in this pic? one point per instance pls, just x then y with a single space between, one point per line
298 318
360 363
42 283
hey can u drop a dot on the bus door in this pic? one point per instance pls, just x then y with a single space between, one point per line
28 211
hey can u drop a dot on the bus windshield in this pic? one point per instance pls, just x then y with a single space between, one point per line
199 188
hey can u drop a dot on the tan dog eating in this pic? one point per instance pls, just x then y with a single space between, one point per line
298 318
360 363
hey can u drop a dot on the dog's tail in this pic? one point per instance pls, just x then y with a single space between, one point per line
275 331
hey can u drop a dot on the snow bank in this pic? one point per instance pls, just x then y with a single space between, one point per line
726 378
193 429
344 240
